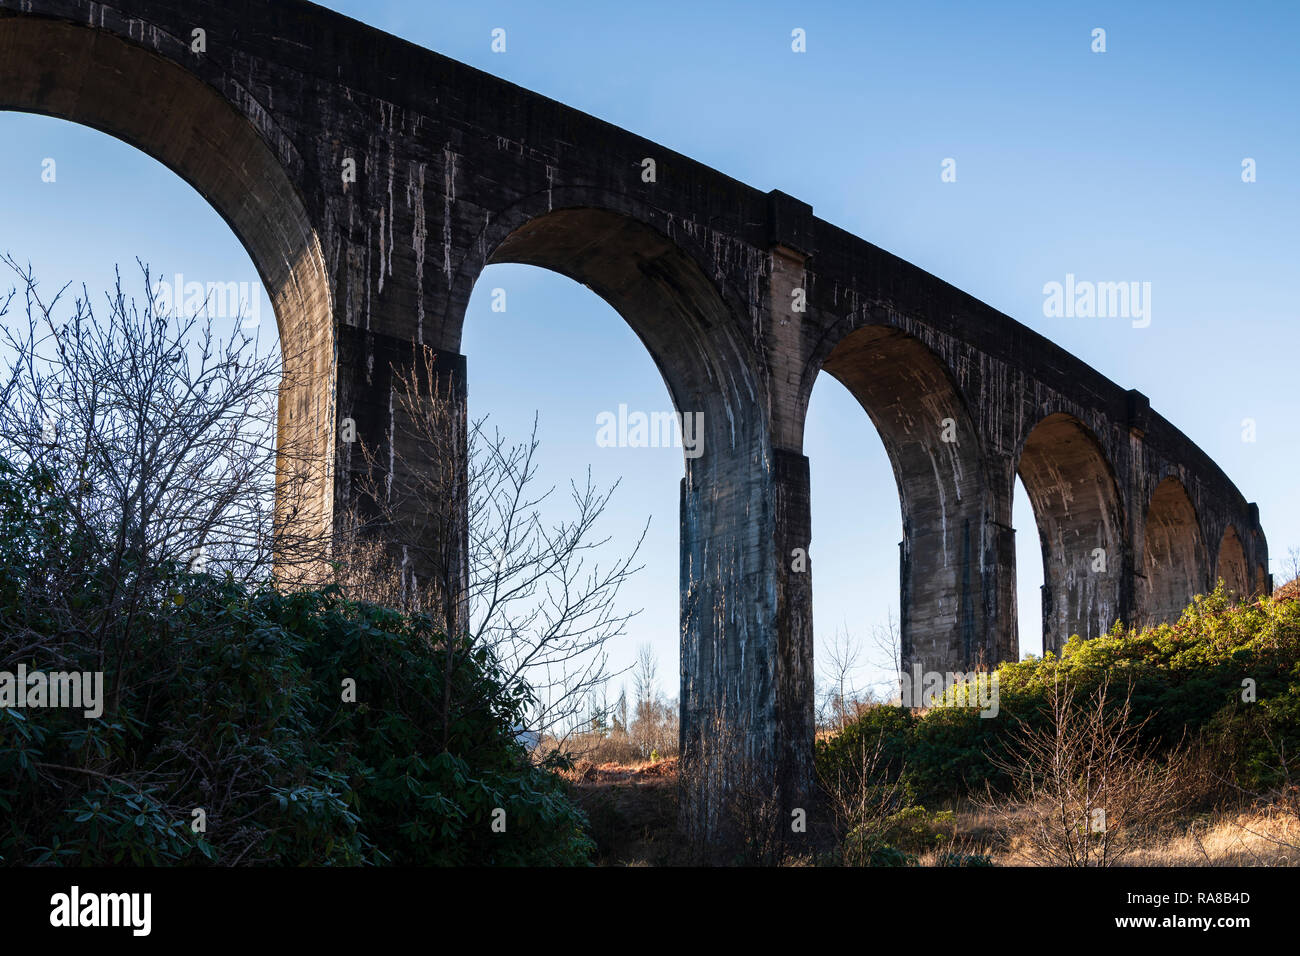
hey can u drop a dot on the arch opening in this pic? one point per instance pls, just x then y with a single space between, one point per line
1173 559
855 550
931 442
732 672
107 82
1029 578
672 306
1076 506
584 378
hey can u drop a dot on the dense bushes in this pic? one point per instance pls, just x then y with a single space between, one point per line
1228 676
232 701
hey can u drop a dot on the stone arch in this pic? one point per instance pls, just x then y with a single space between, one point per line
1079 515
908 392
138 95
1230 564
683 316
1174 554
657 273
733 670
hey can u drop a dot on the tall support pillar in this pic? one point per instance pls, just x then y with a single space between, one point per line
422 475
746 662
957 607
796 720
1002 641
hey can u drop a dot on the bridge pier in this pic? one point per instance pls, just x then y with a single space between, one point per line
395 467
746 636
795 676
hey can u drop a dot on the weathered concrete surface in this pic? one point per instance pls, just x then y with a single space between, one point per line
456 169
1080 523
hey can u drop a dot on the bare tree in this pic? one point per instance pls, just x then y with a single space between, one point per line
451 525
1093 790
644 676
158 431
841 661
863 798
1290 567
888 655
159 434
1281 800
654 728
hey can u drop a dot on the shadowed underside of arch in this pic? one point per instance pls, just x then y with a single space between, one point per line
96 79
1174 558
932 447
1230 564
1077 509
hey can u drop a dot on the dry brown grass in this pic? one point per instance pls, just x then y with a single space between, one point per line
1255 837
633 811
1259 837
613 771
1244 836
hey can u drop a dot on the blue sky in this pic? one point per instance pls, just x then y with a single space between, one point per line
1115 166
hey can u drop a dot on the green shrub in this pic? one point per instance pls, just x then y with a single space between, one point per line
879 740
1187 676
229 700
917 829
889 856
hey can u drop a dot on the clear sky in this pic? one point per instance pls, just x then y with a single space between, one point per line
1116 166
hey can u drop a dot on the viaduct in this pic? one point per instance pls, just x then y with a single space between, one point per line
741 297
